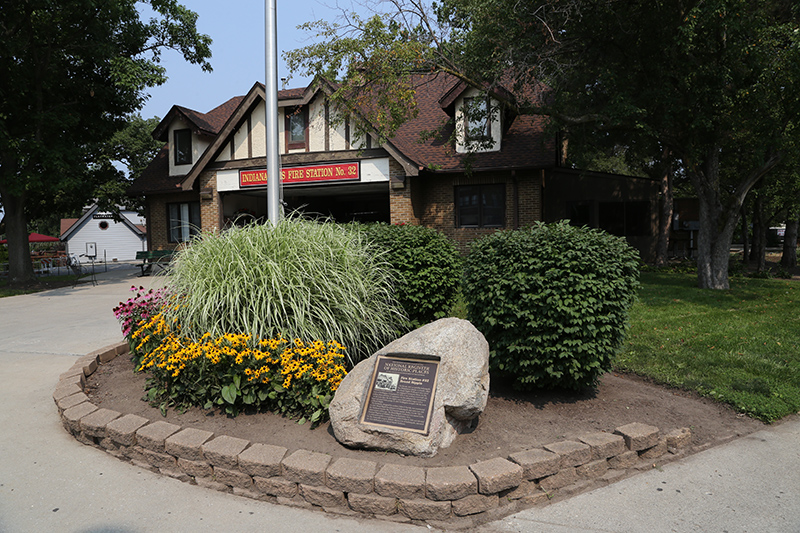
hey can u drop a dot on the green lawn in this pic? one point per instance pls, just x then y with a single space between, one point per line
740 346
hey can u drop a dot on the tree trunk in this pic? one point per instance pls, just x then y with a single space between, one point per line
718 221
789 257
665 213
745 236
20 268
758 254
713 245
706 184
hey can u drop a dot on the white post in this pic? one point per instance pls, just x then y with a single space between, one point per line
271 100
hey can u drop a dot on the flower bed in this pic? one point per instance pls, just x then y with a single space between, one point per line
232 371
457 496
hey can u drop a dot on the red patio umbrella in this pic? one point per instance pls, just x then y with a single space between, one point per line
36 237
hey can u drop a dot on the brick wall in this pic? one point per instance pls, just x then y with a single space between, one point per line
210 202
157 229
437 196
427 200
401 205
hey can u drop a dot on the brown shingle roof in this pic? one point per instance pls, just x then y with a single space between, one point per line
217 117
524 143
155 178
288 94
210 123
67 223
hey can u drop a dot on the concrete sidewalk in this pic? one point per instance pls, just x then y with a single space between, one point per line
750 485
51 482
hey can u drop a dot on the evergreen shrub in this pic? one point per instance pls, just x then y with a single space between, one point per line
426 264
552 300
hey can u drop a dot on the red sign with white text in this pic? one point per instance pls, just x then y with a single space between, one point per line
312 174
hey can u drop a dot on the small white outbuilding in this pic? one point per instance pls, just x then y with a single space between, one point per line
97 235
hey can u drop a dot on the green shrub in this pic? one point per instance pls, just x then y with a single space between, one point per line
736 268
299 279
760 274
675 266
552 300
427 267
782 273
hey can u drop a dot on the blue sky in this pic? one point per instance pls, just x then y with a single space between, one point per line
237 29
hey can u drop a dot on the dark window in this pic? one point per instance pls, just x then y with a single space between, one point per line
183 147
481 206
637 219
297 128
183 221
579 213
625 218
476 119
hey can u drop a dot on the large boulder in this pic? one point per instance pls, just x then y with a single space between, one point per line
461 391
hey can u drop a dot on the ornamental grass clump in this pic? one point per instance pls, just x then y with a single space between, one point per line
553 302
298 279
236 372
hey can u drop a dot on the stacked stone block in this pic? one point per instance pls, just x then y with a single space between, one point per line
454 497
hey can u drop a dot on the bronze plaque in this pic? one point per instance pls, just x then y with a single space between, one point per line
401 392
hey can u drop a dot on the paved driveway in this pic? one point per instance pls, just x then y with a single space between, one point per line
49 482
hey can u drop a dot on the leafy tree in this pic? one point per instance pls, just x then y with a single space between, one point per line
715 83
123 158
775 200
116 163
70 73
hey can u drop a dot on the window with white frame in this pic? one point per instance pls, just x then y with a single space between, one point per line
297 128
477 119
183 220
182 140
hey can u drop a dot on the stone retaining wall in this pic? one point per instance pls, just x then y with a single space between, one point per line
453 497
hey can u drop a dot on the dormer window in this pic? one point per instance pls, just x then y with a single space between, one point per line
297 129
477 120
183 146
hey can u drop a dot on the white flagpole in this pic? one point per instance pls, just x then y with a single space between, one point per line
271 100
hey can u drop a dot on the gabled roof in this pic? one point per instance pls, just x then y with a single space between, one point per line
66 223
237 116
448 99
78 223
524 143
155 177
206 124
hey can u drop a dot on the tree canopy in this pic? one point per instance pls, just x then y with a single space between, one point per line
121 159
715 84
70 75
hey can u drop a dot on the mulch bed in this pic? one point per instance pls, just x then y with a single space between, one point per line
511 422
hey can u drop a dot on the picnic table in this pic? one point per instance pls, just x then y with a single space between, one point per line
159 258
